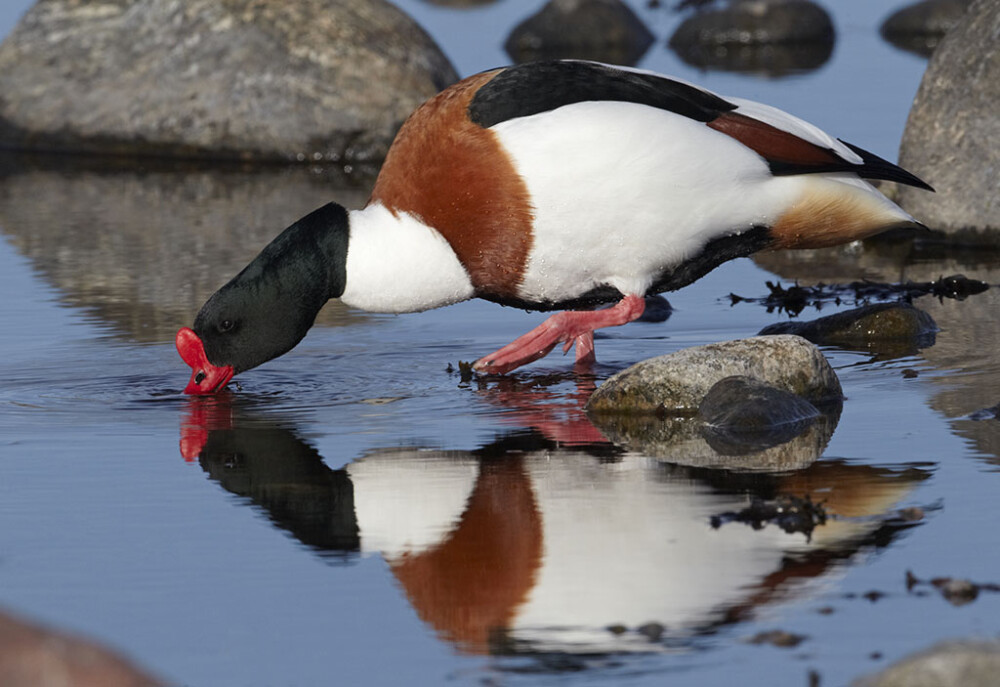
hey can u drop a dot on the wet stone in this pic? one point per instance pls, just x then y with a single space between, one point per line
603 30
965 663
865 326
770 36
33 655
745 404
676 384
919 27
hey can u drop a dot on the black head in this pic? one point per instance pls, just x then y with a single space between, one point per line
266 309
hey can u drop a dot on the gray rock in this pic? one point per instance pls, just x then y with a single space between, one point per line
745 404
950 137
773 37
921 26
756 22
966 663
310 80
604 30
885 328
677 383
32 656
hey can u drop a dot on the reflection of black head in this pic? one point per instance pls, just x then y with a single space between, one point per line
287 477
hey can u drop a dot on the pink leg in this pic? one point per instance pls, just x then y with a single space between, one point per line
572 326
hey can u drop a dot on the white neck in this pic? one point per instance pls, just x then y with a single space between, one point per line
396 263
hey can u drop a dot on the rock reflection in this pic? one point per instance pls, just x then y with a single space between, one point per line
527 546
141 247
688 441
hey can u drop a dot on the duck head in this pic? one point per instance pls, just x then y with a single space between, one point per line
266 309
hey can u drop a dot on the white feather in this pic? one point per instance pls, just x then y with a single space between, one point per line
621 191
396 263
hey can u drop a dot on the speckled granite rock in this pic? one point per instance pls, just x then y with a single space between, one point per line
968 663
309 80
950 137
677 383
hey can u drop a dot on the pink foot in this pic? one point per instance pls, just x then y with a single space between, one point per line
572 326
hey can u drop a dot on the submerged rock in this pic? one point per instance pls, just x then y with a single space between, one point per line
604 30
745 404
963 663
309 81
950 134
920 27
743 414
677 383
757 21
878 328
36 656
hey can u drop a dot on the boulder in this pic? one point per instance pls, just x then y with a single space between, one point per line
879 328
920 27
773 37
676 384
741 404
757 21
315 80
951 132
604 30
967 663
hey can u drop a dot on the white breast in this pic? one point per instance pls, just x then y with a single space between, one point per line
396 263
623 191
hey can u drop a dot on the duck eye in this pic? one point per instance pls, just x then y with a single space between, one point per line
225 325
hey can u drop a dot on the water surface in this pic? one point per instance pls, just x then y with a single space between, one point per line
355 512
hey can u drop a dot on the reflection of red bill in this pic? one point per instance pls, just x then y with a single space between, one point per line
206 378
204 416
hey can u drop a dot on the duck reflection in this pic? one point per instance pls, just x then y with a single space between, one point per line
526 545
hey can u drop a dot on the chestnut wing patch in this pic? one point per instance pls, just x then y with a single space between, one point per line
529 89
787 154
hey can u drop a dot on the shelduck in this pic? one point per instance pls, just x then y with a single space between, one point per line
559 185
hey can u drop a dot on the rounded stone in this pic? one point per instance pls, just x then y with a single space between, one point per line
883 322
604 30
920 27
749 22
745 404
313 80
966 663
677 383
950 136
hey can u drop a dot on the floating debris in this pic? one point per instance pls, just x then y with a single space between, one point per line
794 299
779 638
957 591
790 513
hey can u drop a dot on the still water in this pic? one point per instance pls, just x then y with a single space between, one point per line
355 513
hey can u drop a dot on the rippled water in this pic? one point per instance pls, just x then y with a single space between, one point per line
355 512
